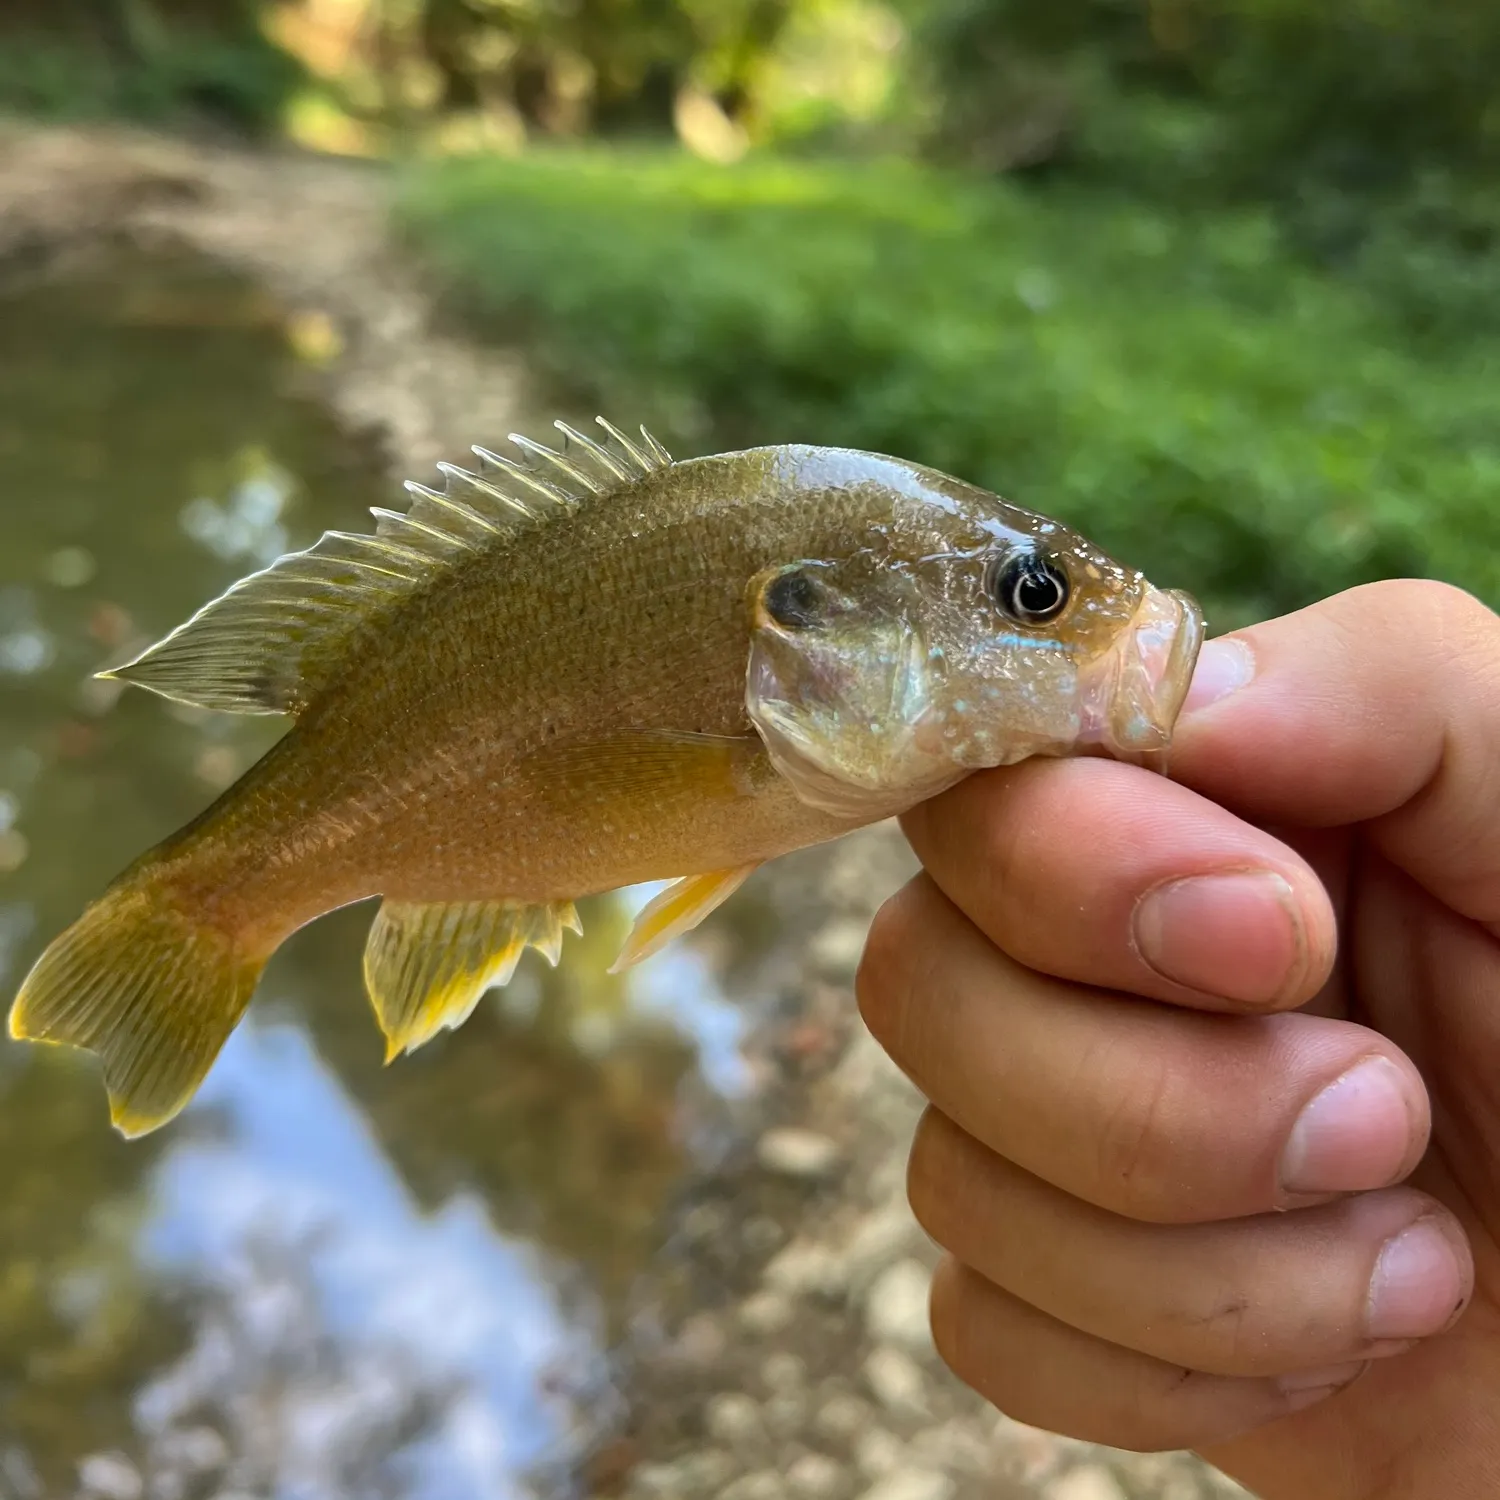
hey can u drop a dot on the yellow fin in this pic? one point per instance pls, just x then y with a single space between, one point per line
153 993
426 965
269 643
679 909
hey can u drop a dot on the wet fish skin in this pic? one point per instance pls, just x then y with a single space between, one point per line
533 687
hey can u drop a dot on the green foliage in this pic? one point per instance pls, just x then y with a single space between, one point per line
134 59
1358 94
1194 399
1369 125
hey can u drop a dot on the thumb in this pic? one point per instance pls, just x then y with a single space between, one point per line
1379 706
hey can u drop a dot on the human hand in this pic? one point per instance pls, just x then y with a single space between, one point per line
1186 1042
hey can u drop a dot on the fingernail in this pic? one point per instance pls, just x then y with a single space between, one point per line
1418 1286
1236 935
1307 1387
1355 1134
1224 665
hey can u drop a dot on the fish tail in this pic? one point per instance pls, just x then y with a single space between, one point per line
151 988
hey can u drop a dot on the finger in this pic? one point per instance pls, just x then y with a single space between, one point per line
1359 1278
1044 1373
1379 705
1100 872
1153 1112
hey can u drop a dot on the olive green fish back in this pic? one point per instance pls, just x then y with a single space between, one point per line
273 640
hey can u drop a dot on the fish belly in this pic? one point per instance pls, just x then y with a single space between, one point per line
511 847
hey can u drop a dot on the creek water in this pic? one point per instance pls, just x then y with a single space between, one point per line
329 1277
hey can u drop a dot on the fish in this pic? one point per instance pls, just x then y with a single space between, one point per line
574 669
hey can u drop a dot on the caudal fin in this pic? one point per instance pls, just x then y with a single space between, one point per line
154 993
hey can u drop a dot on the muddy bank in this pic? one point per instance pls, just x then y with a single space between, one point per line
311 231
779 1347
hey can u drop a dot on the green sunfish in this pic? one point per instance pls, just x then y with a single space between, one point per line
581 669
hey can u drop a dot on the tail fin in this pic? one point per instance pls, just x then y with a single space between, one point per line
154 993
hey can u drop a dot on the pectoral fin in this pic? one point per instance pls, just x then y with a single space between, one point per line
678 909
426 966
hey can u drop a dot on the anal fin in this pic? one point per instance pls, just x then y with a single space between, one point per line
428 964
679 909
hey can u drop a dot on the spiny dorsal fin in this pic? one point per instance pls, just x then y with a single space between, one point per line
268 643
426 966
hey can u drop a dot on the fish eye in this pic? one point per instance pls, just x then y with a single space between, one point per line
1031 589
793 599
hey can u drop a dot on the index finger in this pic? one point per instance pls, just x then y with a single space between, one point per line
1106 875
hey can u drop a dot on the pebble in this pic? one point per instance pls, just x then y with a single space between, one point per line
783 1373
896 1380
805 1155
955 1445
705 1221
1087 1483
762 1235
803 1270
842 1418
784 1414
896 1306
878 1452
836 950
815 1476
881 1237
700 1341
1033 1452
707 1470
110 1476
734 1419
766 1313
762 1485
195 1448
656 1479
911 1484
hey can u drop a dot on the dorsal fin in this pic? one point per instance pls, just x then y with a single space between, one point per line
267 644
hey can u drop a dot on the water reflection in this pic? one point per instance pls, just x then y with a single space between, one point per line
331 1277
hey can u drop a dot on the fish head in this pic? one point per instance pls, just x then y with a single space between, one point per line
879 678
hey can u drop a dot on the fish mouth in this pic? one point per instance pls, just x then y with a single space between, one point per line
1132 700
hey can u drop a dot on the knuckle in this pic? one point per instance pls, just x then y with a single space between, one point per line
1442 610
1158 1408
949 1314
883 980
1017 838
1131 1145
933 1177
1227 1333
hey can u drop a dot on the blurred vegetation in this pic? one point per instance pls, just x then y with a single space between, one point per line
1215 279
157 61
1371 127
1180 386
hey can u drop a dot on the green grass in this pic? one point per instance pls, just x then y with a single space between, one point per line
1180 388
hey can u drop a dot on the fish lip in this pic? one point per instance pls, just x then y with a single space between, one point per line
1132 700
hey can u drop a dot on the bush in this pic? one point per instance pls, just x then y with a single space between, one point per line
130 59
1198 402
1362 95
